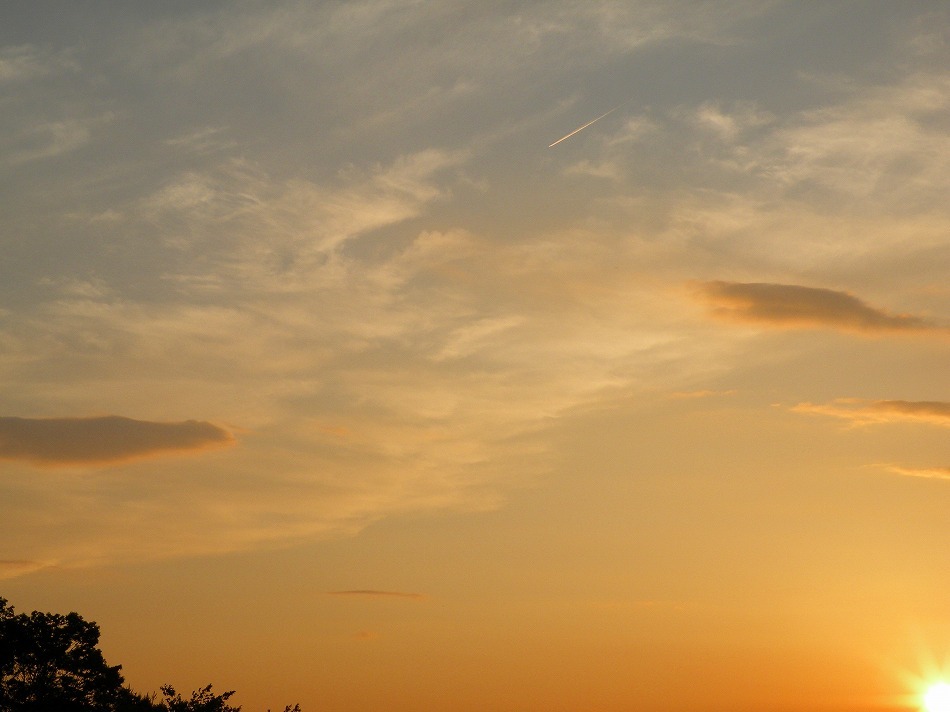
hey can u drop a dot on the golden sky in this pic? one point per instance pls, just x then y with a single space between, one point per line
338 367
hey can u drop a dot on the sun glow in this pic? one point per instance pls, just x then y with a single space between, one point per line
937 698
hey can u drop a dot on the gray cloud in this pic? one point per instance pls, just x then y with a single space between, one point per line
795 306
51 138
65 441
27 62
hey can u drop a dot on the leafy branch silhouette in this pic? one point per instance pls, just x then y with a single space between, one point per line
52 663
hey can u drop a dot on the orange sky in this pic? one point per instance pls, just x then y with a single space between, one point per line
331 375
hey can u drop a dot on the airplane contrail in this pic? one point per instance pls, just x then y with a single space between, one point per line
564 138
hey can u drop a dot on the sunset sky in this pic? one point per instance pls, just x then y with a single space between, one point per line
326 377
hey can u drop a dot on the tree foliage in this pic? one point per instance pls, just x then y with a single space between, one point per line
51 663
203 700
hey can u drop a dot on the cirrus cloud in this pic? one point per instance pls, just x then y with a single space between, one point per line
100 440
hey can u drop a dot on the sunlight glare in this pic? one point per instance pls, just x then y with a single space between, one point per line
937 698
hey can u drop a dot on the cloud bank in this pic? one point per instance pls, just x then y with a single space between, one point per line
795 306
99 440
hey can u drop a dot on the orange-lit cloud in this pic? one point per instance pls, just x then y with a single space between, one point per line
702 394
106 439
14 568
930 473
795 306
862 412
378 594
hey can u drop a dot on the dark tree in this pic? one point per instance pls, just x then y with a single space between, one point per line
51 663
203 700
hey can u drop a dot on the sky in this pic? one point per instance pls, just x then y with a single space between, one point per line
329 373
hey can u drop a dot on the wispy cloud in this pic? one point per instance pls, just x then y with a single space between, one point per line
794 306
202 140
13 568
28 62
882 144
49 139
395 338
70 441
929 473
370 593
729 125
864 412
705 393
301 219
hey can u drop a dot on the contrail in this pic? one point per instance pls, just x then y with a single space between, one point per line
564 138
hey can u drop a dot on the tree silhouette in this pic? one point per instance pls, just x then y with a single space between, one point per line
51 663
203 700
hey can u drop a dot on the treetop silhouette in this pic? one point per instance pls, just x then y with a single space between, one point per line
51 663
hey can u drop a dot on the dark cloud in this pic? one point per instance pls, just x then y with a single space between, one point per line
377 594
880 411
794 306
65 441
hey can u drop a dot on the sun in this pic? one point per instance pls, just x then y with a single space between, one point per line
937 698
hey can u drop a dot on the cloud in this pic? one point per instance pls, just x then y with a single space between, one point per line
397 339
705 393
881 145
729 125
377 594
929 473
863 412
868 412
26 62
68 441
49 139
13 568
303 221
794 306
